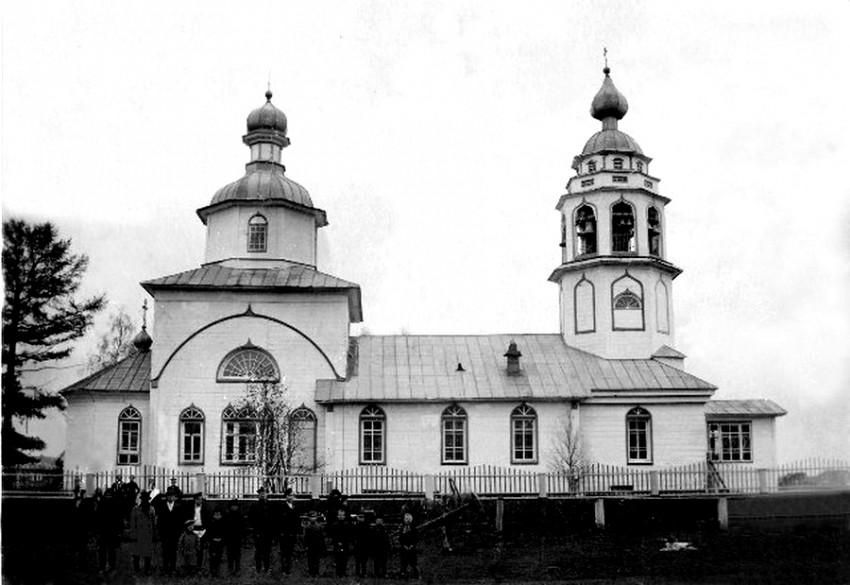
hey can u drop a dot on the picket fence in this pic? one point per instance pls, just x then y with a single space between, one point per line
589 480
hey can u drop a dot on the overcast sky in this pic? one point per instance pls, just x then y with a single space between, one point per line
438 136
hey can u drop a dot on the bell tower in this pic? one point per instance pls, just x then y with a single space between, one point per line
615 283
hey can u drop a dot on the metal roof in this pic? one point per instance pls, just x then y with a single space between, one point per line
132 374
422 368
754 408
292 279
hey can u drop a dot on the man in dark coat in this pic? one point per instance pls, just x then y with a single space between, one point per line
290 530
234 532
262 528
362 545
200 516
381 546
314 543
129 494
109 521
340 533
171 519
215 534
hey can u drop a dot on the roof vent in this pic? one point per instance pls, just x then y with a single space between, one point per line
513 355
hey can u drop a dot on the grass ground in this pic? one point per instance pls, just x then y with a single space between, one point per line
811 556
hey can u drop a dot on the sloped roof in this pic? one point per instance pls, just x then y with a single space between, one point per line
290 278
132 374
755 408
422 368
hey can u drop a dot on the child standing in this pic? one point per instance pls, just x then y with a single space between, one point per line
187 548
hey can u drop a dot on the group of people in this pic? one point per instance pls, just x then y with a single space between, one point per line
192 532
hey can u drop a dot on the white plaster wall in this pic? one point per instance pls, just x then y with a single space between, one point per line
678 433
764 442
291 235
190 378
323 318
413 435
92 429
605 341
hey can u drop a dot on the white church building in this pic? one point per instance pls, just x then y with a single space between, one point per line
259 308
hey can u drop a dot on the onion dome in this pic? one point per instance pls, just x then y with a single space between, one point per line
143 341
611 141
609 102
264 181
267 117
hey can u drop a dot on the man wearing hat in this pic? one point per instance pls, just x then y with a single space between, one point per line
262 526
290 529
171 519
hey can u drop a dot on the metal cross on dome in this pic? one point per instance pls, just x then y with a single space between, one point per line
145 314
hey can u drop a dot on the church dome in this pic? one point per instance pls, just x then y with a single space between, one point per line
143 341
267 117
611 140
608 102
264 181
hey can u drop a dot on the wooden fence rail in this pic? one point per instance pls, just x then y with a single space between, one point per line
588 480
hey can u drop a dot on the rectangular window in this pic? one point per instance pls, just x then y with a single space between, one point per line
523 450
193 438
587 182
639 440
240 442
454 440
257 237
620 179
372 441
129 444
730 441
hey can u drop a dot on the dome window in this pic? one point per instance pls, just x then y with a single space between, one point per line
620 179
618 164
591 166
653 222
585 231
640 166
258 231
587 183
622 228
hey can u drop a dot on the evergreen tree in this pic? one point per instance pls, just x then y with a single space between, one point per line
41 317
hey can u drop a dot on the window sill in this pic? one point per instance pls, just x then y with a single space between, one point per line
639 463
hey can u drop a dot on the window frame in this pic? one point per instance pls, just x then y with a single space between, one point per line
454 413
524 413
577 237
194 415
234 355
641 297
639 414
654 231
240 417
258 229
302 413
721 451
618 163
580 282
130 416
632 242
372 413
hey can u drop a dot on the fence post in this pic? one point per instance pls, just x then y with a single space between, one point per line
90 483
500 515
723 513
542 485
200 482
315 486
653 482
762 477
430 483
599 512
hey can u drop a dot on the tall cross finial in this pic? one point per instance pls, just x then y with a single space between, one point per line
605 56
145 314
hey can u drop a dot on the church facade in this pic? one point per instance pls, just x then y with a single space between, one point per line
259 312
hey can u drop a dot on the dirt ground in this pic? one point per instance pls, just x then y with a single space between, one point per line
739 557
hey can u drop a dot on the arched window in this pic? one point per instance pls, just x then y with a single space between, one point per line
302 439
372 436
584 303
618 164
639 435
653 231
591 166
191 436
454 435
622 228
523 434
248 363
585 230
129 436
627 304
258 232
239 435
